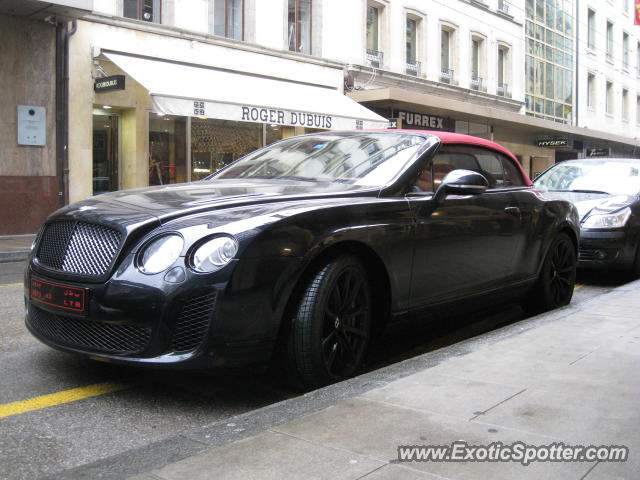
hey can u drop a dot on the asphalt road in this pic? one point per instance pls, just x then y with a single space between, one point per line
148 406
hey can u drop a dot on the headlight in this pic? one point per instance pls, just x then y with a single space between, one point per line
614 220
214 254
160 254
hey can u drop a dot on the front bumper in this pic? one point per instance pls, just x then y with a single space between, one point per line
206 321
610 249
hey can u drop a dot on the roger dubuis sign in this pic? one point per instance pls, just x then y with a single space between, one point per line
105 84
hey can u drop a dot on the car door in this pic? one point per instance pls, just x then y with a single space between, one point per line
467 243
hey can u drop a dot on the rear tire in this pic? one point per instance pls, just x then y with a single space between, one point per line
557 279
330 334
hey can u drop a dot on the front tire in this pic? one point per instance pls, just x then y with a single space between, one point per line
331 331
557 278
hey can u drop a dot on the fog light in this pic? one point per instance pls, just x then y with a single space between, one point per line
600 255
175 275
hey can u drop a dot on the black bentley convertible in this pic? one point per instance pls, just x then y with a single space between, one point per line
303 248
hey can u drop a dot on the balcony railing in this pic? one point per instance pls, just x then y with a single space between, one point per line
476 83
503 90
412 68
446 75
374 58
503 6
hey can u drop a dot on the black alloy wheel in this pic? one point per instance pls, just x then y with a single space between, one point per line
331 332
558 276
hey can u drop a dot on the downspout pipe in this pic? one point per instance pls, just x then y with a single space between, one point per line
60 107
68 33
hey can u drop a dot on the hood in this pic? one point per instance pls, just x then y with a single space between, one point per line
156 205
600 203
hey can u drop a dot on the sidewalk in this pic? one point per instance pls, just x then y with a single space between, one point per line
568 376
15 248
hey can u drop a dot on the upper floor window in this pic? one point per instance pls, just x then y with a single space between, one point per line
411 41
299 26
477 63
609 40
591 90
228 18
447 54
503 71
625 104
147 10
373 50
591 29
609 99
625 50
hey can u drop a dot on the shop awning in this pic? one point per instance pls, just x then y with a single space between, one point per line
189 90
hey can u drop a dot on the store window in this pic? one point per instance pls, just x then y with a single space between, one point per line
217 143
229 19
167 149
147 10
299 26
106 152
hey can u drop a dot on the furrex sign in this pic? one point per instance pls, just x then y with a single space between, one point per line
422 121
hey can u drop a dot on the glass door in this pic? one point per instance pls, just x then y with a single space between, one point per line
106 152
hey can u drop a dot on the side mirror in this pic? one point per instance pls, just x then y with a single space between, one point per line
461 182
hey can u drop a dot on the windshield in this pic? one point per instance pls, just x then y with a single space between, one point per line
368 159
615 177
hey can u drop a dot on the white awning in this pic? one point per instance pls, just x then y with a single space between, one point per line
188 90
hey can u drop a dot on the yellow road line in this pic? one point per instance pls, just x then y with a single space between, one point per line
53 399
10 284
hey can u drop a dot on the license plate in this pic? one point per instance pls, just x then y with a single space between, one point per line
60 296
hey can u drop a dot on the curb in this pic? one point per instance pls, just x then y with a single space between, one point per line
20 256
159 454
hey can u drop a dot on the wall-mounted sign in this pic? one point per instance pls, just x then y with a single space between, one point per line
249 113
598 152
105 84
560 142
32 123
423 121
394 123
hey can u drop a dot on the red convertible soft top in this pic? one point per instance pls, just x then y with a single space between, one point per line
450 138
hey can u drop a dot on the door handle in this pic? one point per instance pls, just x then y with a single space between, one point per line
512 210
515 211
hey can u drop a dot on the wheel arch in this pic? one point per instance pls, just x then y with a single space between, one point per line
378 279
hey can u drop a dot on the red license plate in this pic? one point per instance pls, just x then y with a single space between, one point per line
60 296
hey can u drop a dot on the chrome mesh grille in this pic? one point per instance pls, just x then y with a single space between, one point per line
78 247
86 334
193 322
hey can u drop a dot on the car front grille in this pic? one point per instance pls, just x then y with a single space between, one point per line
78 247
193 322
86 334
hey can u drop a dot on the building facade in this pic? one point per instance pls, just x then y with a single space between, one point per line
608 71
154 92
